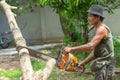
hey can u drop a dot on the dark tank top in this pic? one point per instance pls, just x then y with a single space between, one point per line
105 47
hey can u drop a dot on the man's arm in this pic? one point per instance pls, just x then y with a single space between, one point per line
88 59
101 33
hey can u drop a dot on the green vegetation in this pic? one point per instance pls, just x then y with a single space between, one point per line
13 74
117 51
73 16
37 64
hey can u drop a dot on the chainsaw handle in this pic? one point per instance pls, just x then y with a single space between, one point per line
82 70
64 52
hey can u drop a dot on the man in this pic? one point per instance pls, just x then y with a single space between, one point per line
101 45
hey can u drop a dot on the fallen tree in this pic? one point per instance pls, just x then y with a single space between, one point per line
25 63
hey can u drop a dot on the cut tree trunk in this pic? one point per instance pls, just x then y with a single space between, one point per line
26 67
27 71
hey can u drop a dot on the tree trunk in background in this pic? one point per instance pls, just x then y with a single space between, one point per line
85 34
25 63
62 22
85 38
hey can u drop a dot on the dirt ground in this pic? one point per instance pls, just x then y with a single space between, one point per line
9 62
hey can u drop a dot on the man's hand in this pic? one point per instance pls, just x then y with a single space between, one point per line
81 65
68 49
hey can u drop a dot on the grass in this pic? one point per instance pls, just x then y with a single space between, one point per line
37 64
117 50
13 74
57 74
61 75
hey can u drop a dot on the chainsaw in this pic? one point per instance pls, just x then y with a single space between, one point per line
64 61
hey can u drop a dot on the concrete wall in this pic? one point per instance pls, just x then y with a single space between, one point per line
113 21
51 26
3 22
40 25
4 27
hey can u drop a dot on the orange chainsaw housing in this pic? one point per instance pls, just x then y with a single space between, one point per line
67 62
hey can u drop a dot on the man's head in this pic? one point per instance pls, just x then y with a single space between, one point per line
95 14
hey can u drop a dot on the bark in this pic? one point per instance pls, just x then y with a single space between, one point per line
48 69
85 34
85 38
62 22
26 67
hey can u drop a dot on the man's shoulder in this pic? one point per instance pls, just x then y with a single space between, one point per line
106 27
101 29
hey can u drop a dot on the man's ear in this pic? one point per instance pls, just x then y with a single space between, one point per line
98 18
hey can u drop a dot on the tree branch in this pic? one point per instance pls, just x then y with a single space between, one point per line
48 69
13 7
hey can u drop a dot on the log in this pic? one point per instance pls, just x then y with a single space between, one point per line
25 63
48 69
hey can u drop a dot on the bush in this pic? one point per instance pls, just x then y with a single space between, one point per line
116 42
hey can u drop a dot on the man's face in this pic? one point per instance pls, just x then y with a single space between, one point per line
92 20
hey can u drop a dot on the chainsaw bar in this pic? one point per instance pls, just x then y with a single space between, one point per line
36 53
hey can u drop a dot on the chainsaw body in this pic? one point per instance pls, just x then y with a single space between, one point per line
68 62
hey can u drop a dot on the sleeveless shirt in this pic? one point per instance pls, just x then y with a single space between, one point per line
105 47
